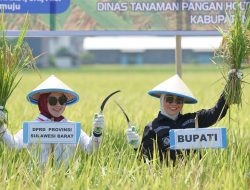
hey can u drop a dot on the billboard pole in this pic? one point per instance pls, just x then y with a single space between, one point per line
52 16
178 55
178 49
52 22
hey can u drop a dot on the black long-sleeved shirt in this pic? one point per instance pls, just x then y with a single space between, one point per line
157 131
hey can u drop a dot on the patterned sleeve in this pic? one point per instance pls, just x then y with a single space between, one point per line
147 144
210 116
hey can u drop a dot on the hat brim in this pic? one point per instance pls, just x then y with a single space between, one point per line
33 97
187 99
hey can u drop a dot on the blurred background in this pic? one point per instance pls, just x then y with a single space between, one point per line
70 52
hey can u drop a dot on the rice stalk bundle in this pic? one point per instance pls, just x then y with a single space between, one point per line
14 58
235 51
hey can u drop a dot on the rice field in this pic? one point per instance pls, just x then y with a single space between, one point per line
115 165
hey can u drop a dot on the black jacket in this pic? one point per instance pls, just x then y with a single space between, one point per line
156 133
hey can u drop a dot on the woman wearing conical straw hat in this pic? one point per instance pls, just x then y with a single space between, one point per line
173 94
52 96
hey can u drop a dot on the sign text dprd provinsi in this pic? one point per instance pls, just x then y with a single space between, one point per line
51 132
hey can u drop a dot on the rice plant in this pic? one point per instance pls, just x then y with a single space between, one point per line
14 58
115 165
235 51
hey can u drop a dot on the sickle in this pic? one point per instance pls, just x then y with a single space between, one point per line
123 112
106 99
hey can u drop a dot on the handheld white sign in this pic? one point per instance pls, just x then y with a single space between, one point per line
51 132
197 138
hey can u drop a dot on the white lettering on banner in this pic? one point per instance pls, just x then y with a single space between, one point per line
208 19
161 6
11 7
40 1
233 5
125 17
202 6
16 5
170 6
196 9
110 6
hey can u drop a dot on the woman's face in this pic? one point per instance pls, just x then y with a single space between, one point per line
172 104
56 104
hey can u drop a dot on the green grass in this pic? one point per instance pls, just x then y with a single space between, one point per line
115 68
115 166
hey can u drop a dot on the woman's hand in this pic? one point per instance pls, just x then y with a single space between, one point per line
235 72
2 121
132 137
2 116
98 124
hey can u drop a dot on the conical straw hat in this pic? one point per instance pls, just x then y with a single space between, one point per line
53 84
174 86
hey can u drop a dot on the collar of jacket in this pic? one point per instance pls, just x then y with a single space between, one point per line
44 118
163 117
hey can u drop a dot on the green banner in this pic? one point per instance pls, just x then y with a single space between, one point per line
131 16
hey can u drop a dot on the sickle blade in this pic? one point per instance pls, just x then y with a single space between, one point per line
123 112
106 99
